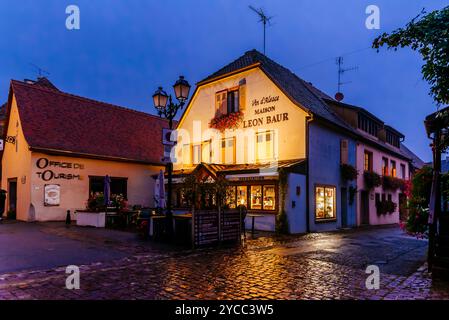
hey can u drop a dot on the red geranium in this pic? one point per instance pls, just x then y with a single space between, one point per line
226 121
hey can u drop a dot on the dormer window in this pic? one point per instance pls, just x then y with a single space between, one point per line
368 125
393 139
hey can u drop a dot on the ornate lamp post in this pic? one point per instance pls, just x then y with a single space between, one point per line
169 111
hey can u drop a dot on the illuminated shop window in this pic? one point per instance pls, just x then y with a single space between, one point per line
325 203
256 197
269 196
242 195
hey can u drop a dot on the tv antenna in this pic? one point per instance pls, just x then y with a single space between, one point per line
264 19
339 96
40 72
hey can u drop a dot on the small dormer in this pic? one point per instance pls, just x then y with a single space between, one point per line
393 137
369 123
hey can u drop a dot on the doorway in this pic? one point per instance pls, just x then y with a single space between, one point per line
364 207
344 207
12 198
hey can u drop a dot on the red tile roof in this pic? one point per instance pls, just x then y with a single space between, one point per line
54 121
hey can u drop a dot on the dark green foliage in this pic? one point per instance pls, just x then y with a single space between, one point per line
428 34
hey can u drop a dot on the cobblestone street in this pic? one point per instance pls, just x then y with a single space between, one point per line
313 266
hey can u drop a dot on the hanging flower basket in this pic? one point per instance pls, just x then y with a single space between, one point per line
372 180
348 172
226 121
393 184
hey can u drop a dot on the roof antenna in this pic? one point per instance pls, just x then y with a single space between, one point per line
41 72
339 96
264 19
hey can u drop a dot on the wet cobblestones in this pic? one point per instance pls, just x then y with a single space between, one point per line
265 268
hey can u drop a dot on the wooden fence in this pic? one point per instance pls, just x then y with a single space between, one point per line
212 228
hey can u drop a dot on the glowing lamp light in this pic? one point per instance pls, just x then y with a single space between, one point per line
182 88
160 99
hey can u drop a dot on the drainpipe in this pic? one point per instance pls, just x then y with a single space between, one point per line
309 118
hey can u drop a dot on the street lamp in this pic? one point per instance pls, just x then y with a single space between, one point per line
169 111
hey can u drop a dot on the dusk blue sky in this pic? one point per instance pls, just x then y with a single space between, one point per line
125 49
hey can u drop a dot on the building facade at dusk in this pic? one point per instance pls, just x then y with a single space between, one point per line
60 147
380 150
286 134
280 142
262 128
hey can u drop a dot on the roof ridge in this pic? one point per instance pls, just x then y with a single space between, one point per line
303 83
98 102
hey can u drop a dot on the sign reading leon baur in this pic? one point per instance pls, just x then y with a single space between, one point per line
262 108
48 174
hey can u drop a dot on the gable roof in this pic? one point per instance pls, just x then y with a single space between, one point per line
62 123
302 93
417 162
299 91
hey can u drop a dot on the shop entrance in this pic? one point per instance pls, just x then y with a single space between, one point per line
12 197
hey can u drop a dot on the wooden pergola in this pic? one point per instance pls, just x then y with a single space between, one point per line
437 127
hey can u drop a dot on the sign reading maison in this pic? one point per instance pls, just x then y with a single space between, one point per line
262 108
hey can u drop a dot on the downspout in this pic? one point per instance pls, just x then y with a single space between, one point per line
309 118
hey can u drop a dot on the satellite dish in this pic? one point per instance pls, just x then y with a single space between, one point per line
339 96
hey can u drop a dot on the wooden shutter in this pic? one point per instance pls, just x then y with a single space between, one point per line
242 95
344 151
221 102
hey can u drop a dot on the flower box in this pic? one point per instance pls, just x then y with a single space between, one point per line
93 219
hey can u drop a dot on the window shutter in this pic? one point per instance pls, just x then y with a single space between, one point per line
242 95
221 102
344 151
217 101
223 106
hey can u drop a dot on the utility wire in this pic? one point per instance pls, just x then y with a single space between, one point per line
333 58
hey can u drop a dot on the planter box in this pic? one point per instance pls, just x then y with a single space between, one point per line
93 219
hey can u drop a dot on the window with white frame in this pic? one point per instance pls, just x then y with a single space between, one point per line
265 146
206 151
196 153
228 151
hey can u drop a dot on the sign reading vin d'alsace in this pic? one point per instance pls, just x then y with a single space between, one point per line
48 165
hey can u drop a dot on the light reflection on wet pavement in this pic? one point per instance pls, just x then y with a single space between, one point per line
312 266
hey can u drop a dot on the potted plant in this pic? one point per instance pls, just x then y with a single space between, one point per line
95 214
